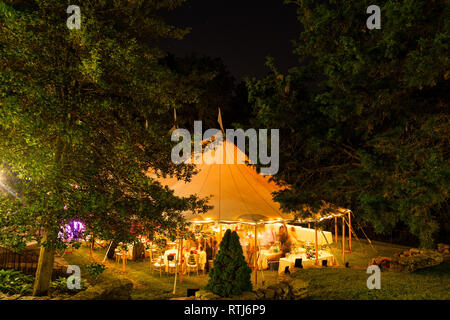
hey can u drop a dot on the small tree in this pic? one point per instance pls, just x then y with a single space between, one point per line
231 273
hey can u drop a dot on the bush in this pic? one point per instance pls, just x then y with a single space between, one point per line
230 275
15 282
60 284
415 259
95 269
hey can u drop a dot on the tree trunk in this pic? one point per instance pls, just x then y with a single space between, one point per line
47 255
44 269
112 248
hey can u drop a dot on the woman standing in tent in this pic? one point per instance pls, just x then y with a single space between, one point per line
202 260
294 234
285 240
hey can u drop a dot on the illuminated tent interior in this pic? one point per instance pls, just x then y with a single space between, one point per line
242 200
241 196
236 191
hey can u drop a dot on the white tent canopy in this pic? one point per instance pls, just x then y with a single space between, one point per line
237 192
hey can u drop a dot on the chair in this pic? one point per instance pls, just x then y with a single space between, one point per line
190 266
150 256
171 262
159 264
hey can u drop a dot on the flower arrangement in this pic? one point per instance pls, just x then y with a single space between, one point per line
310 253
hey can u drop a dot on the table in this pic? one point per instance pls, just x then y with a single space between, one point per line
119 253
307 263
264 257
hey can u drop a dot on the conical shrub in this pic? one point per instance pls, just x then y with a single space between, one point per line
231 273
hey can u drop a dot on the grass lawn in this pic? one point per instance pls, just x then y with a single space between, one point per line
146 285
324 283
350 283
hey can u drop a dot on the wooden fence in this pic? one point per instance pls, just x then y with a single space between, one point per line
26 263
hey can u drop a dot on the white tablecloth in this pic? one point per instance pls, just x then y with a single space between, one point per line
264 255
307 263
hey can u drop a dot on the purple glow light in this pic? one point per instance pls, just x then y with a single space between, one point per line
72 231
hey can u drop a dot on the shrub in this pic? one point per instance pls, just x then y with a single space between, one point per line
60 284
15 282
231 273
415 259
95 269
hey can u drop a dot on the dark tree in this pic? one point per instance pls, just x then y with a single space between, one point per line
83 118
212 83
364 117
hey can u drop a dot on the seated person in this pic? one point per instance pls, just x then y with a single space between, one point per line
285 241
191 258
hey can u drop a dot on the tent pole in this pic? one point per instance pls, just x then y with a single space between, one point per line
315 244
124 253
176 268
343 239
256 258
349 232
335 229
151 260
181 260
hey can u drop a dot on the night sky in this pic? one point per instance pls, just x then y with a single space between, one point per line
241 32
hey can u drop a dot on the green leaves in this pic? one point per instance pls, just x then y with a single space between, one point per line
231 273
14 282
95 269
365 122
73 111
60 284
